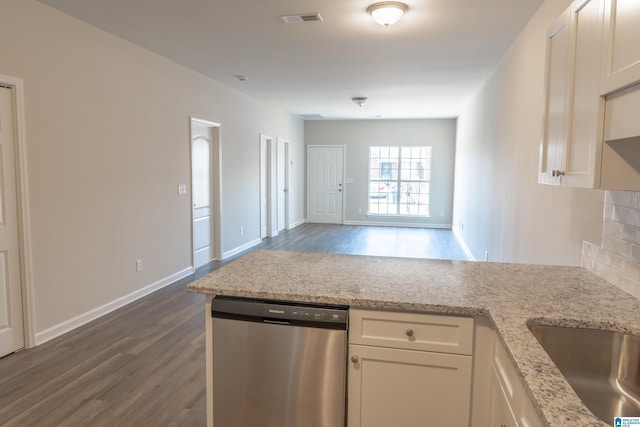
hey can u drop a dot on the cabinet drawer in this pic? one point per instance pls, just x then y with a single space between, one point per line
411 331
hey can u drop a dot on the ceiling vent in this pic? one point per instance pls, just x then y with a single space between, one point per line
306 17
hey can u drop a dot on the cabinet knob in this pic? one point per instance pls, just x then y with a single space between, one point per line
409 332
354 359
557 173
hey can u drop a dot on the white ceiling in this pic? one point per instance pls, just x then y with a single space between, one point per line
426 66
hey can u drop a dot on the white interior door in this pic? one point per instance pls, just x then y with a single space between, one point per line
325 192
205 191
282 172
11 319
264 182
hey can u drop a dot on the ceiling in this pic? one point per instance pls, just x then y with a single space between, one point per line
428 65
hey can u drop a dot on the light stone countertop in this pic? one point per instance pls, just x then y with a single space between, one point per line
509 294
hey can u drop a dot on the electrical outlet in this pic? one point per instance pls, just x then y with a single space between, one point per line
138 265
241 230
486 256
359 211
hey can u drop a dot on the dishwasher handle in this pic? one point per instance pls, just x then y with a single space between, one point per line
276 321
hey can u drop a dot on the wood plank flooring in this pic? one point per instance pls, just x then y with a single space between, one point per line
143 365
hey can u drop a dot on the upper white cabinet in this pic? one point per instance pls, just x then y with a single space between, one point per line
621 62
557 69
621 86
571 146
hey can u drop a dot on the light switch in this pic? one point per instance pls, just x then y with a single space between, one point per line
182 189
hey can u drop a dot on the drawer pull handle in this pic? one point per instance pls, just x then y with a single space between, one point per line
354 359
409 332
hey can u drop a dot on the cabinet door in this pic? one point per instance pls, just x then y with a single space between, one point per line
405 388
500 414
581 160
622 56
554 131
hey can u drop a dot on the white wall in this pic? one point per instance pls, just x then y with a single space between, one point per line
107 131
497 199
358 135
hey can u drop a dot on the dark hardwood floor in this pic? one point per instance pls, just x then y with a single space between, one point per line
143 365
366 240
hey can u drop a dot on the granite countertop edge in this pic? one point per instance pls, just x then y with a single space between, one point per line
510 295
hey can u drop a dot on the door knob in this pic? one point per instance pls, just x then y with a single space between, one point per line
354 359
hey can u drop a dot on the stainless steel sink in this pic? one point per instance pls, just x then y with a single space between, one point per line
603 367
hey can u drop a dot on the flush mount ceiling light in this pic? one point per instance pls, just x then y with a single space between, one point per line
387 12
360 100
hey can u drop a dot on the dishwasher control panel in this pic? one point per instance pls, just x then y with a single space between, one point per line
279 311
257 310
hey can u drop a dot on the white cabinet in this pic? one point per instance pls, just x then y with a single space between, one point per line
500 414
556 73
591 136
408 369
621 62
621 149
499 395
510 405
621 85
571 145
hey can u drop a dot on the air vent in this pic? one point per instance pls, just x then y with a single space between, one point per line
306 17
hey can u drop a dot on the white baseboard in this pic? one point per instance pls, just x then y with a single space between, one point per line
463 245
242 248
68 325
397 224
297 223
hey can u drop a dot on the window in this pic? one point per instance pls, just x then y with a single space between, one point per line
399 180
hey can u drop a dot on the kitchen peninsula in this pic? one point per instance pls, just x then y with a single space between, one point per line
509 295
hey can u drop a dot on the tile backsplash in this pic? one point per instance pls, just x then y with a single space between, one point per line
618 259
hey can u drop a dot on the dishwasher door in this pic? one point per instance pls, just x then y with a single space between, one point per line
274 371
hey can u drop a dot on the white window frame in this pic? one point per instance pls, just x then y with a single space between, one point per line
390 183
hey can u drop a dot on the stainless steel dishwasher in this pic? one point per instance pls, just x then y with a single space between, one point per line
278 364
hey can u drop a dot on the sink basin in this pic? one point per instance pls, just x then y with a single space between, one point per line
603 367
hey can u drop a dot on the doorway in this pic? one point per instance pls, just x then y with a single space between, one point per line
266 229
325 191
282 184
274 186
205 191
16 301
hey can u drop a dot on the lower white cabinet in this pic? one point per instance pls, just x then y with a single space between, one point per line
510 405
500 414
390 385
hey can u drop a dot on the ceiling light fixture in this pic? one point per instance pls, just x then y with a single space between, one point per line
387 12
360 100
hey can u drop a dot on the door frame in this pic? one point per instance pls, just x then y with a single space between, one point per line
16 85
215 171
344 170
